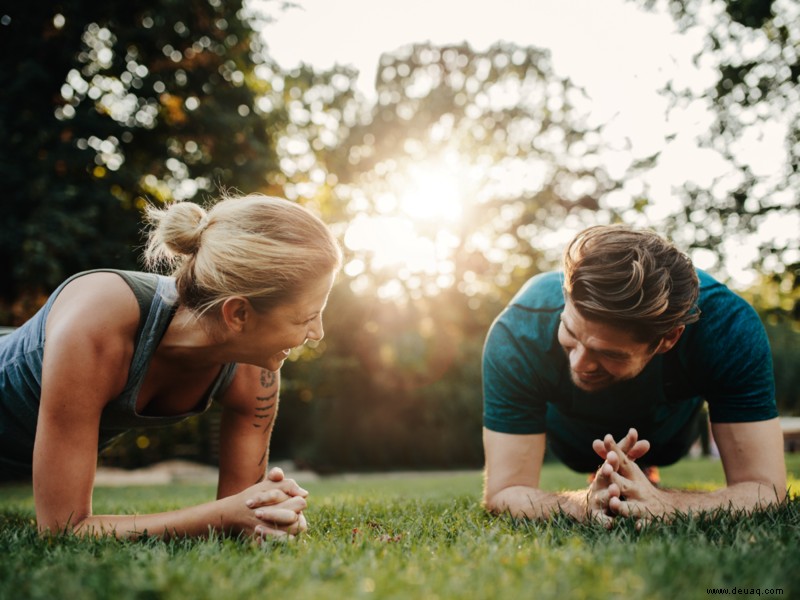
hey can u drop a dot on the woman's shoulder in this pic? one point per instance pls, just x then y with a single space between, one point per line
99 302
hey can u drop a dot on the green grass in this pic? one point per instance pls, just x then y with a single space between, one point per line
411 537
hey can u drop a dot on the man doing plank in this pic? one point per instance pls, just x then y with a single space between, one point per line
611 361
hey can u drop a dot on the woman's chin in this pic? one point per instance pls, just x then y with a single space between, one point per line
275 362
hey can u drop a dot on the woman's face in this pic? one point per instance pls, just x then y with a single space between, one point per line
272 334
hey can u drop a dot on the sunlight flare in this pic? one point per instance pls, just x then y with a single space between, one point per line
412 241
433 194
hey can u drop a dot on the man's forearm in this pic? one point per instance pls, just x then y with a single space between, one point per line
746 496
532 503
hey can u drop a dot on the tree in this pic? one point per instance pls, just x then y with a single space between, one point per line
506 149
107 106
752 45
479 154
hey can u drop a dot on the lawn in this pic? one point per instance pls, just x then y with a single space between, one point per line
420 536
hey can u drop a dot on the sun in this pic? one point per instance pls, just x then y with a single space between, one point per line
410 240
433 194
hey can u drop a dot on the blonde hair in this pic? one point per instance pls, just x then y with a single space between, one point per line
266 249
632 279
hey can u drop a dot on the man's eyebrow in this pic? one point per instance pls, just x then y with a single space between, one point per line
615 353
609 353
564 323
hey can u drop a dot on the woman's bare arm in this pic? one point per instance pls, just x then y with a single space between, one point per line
87 355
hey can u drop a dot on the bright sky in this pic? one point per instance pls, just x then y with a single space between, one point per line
620 54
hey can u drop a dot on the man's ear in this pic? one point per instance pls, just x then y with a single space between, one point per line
235 312
669 340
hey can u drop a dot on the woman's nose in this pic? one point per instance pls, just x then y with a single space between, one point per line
315 330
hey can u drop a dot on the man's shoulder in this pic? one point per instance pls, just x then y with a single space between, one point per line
541 293
708 283
716 297
727 321
532 315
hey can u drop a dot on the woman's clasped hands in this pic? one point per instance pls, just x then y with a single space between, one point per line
272 508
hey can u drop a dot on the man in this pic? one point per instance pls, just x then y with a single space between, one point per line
627 343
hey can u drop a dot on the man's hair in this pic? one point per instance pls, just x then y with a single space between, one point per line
632 279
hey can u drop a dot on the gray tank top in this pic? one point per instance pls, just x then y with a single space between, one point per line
21 374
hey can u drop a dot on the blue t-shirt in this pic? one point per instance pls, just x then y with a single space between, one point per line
724 359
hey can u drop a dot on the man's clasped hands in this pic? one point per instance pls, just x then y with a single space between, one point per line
620 487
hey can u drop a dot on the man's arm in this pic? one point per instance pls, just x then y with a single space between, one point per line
752 456
513 468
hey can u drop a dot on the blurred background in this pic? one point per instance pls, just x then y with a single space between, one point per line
453 148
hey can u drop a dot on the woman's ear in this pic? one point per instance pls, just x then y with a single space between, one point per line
235 312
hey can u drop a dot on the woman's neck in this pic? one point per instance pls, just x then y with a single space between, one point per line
191 340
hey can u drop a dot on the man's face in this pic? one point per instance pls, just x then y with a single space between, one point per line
601 355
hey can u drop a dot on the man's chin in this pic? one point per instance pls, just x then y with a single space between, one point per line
593 384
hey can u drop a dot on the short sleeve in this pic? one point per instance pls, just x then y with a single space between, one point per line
735 360
510 395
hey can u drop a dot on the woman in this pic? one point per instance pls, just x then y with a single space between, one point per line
112 350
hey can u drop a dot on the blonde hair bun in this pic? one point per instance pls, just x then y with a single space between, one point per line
177 231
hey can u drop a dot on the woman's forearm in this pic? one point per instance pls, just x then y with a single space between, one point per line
193 521
259 511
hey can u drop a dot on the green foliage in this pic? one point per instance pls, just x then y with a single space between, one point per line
396 387
753 45
784 339
405 537
509 136
398 380
108 106
195 439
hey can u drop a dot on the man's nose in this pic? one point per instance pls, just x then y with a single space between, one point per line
581 361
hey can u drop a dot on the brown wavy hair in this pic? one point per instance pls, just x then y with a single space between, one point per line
631 279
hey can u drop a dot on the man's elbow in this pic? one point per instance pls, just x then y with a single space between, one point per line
779 492
503 501
492 503
764 491
773 488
